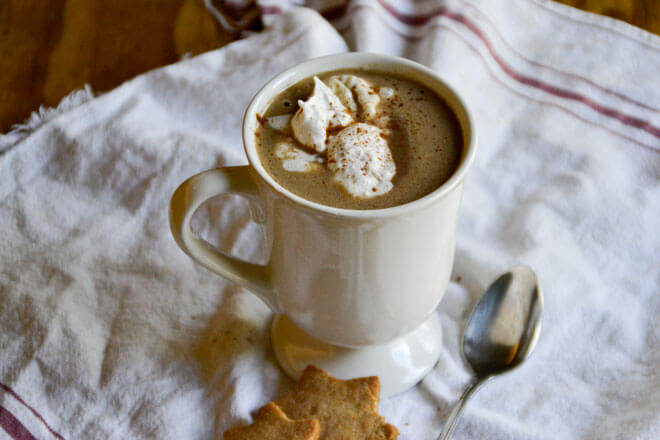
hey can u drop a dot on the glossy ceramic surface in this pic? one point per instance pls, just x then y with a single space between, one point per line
349 278
399 364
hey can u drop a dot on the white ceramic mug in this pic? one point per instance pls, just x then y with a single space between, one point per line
347 277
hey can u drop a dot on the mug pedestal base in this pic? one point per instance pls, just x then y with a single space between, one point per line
400 364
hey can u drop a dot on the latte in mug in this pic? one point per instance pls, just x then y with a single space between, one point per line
349 130
356 139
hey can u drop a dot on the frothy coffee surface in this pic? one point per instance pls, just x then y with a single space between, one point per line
420 130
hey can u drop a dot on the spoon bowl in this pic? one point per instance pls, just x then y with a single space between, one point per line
504 326
501 332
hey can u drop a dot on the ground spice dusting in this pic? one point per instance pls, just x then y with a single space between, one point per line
406 112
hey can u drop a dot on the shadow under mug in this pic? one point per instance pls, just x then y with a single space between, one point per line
350 278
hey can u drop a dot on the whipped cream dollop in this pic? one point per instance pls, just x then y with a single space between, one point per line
322 111
361 161
356 153
280 123
295 159
354 91
386 92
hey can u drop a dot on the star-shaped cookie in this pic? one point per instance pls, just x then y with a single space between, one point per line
271 423
347 409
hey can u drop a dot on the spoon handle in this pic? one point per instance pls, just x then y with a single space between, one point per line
450 424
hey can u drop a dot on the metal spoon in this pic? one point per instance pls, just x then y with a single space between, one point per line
501 332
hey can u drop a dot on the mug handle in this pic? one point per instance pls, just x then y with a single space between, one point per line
189 196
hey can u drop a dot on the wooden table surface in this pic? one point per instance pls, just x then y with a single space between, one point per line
48 49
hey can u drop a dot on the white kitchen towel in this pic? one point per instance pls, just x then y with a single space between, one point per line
109 331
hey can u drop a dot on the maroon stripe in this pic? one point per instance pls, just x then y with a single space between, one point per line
415 20
554 69
270 10
553 104
513 90
11 392
554 90
13 426
421 19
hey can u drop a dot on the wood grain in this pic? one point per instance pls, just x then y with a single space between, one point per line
48 49
641 13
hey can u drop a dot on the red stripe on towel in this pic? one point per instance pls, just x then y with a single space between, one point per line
512 89
416 20
13 426
575 76
422 19
11 392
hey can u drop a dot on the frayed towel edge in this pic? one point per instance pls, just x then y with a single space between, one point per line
43 115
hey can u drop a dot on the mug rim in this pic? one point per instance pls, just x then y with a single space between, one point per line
351 60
